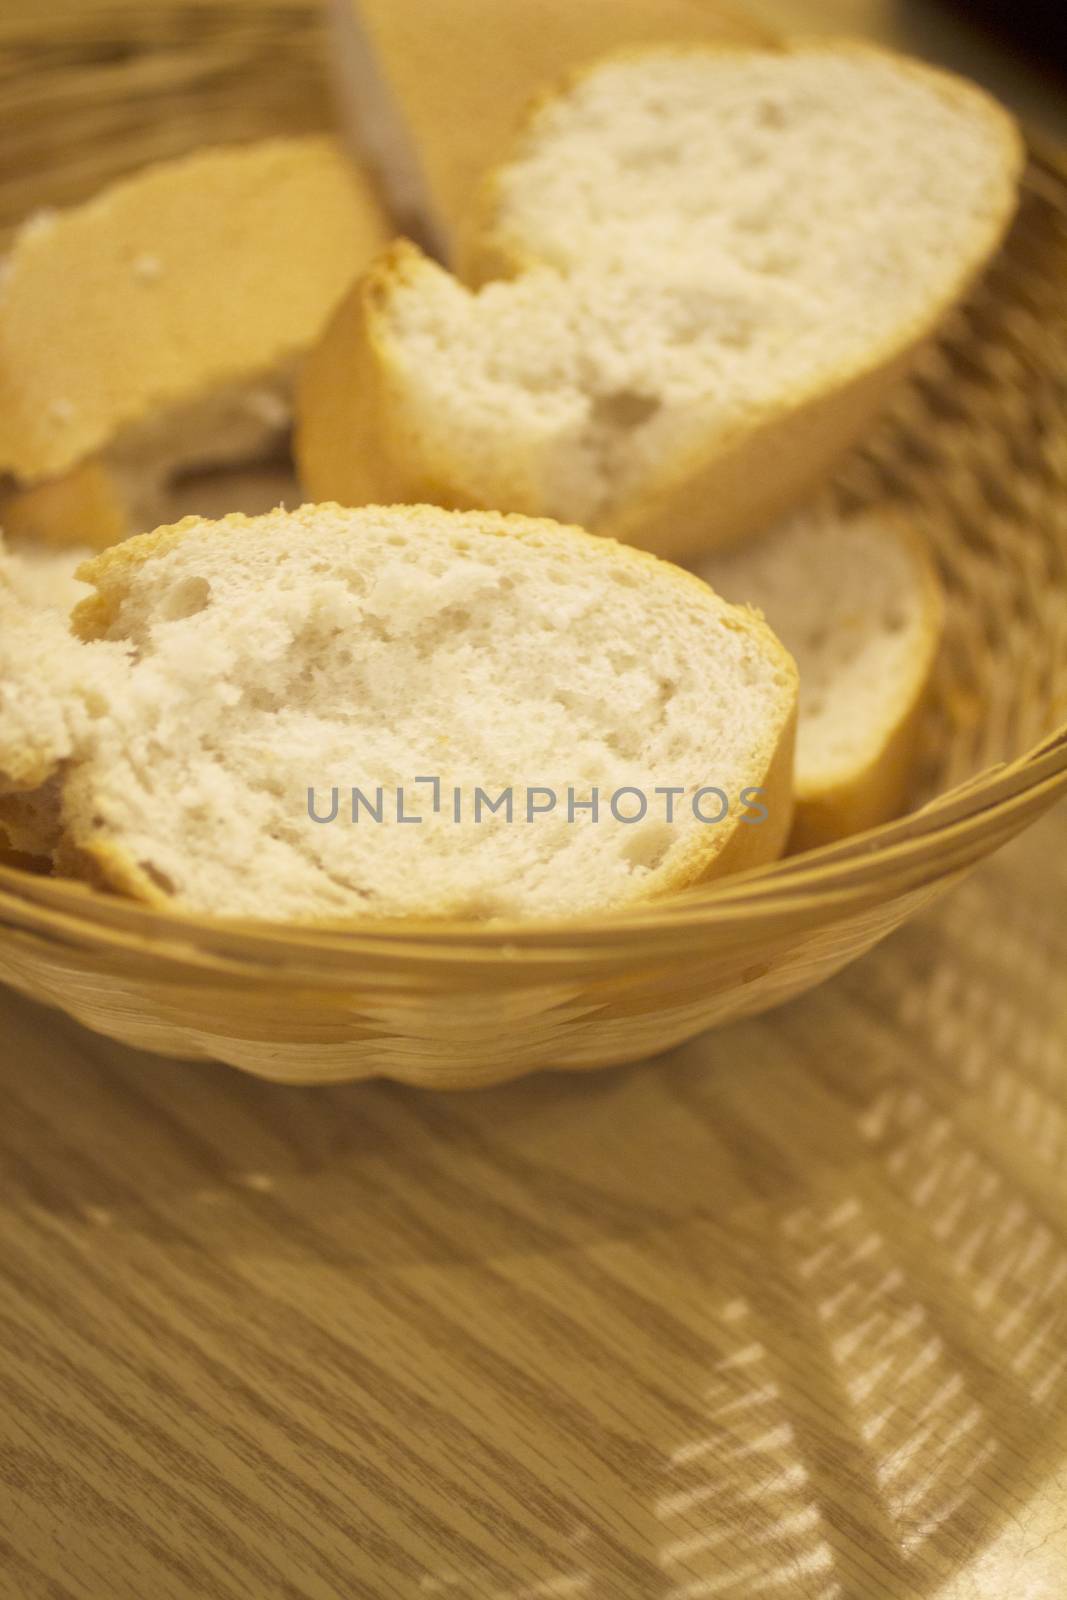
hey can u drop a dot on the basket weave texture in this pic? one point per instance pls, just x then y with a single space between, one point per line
975 447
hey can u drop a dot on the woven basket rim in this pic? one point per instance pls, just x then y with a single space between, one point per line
944 839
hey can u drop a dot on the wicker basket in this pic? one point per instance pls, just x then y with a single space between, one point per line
976 447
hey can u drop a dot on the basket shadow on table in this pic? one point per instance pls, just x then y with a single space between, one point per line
827 1246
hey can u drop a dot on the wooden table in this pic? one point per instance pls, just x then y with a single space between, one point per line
783 1314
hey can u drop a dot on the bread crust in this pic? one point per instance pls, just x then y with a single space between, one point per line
86 505
351 443
731 846
149 295
880 788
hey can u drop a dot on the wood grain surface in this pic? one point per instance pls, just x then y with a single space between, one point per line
783 1314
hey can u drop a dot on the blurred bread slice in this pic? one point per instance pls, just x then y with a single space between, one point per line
434 90
224 669
858 603
719 261
156 329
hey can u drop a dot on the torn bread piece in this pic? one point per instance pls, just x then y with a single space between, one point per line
716 263
857 601
326 650
155 330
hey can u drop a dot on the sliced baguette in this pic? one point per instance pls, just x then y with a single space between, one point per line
433 90
718 263
156 328
237 664
858 603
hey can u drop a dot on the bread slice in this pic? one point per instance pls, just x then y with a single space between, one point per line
858 602
433 91
719 261
156 329
257 658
